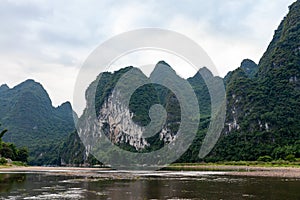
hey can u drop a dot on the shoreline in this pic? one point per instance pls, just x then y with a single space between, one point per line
243 170
247 171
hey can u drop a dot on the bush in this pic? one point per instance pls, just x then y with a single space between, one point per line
18 163
290 158
3 161
265 158
22 155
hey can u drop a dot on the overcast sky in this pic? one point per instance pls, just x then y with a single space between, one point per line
48 41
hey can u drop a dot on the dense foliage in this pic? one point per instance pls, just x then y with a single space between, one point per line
26 110
10 151
72 152
266 105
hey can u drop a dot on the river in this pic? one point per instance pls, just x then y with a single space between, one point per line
121 185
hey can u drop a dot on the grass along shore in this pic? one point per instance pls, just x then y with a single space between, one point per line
279 168
208 166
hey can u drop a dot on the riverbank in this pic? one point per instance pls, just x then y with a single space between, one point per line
284 172
262 171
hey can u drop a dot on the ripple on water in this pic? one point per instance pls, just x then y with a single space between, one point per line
71 193
10 198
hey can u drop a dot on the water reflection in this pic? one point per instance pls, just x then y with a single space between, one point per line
8 181
54 186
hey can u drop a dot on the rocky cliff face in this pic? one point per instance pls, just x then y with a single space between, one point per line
238 86
115 119
124 124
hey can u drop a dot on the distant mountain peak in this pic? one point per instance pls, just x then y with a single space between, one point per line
204 70
284 46
203 73
249 67
248 61
64 105
162 69
29 82
162 62
4 87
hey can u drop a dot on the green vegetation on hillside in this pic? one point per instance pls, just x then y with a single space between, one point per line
262 121
9 151
27 112
72 152
266 106
263 103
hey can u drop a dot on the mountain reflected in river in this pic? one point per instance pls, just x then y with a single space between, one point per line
145 185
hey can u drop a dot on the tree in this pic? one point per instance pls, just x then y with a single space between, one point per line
9 150
2 133
22 154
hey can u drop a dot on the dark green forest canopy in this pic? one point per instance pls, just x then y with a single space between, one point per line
27 112
10 151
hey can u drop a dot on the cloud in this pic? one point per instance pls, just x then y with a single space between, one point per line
49 40
231 31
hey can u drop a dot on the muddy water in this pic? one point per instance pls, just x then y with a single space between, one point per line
144 185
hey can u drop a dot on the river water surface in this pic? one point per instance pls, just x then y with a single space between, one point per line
144 185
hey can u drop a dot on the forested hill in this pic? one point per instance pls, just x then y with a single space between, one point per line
263 110
262 118
27 112
263 102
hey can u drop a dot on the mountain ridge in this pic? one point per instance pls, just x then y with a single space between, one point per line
26 111
262 119
263 110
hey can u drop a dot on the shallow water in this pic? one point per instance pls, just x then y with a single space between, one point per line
145 185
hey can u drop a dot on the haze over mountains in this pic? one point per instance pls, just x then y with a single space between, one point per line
263 110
